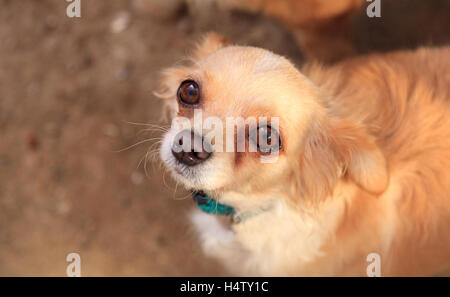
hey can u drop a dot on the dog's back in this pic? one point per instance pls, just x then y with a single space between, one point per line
404 98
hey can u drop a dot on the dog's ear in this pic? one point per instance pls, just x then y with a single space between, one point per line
209 44
340 149
363 160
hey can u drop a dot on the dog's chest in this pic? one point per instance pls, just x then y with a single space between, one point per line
276 242
286 237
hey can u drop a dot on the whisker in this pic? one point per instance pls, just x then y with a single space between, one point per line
147 124
179 198
175 190
140 161
145 164
183 198
150 130
153 152
164 179
136 144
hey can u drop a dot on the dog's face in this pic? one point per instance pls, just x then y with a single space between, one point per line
283 123
228 82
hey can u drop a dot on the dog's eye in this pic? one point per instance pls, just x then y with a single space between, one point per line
189 92
268 139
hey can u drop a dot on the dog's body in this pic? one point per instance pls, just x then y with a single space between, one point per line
364 166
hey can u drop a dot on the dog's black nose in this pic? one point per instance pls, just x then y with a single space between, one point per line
189 148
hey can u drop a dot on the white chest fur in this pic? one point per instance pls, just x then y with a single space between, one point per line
277 242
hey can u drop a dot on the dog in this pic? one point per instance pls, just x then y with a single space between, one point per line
362 163
322 28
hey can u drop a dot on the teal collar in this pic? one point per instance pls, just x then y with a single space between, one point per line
211 206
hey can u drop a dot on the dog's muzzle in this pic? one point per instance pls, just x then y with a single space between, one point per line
189 148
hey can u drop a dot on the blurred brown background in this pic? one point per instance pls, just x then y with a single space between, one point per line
69 87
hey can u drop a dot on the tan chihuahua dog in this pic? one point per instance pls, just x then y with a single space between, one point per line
362 165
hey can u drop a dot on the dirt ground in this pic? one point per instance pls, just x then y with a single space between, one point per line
69 89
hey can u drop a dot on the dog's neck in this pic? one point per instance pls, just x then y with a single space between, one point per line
238 206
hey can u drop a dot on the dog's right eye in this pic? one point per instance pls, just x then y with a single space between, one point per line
266 139
189 92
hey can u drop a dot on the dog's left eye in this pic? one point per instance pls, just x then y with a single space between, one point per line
267 140
189 92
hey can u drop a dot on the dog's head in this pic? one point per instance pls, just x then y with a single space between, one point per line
244 119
